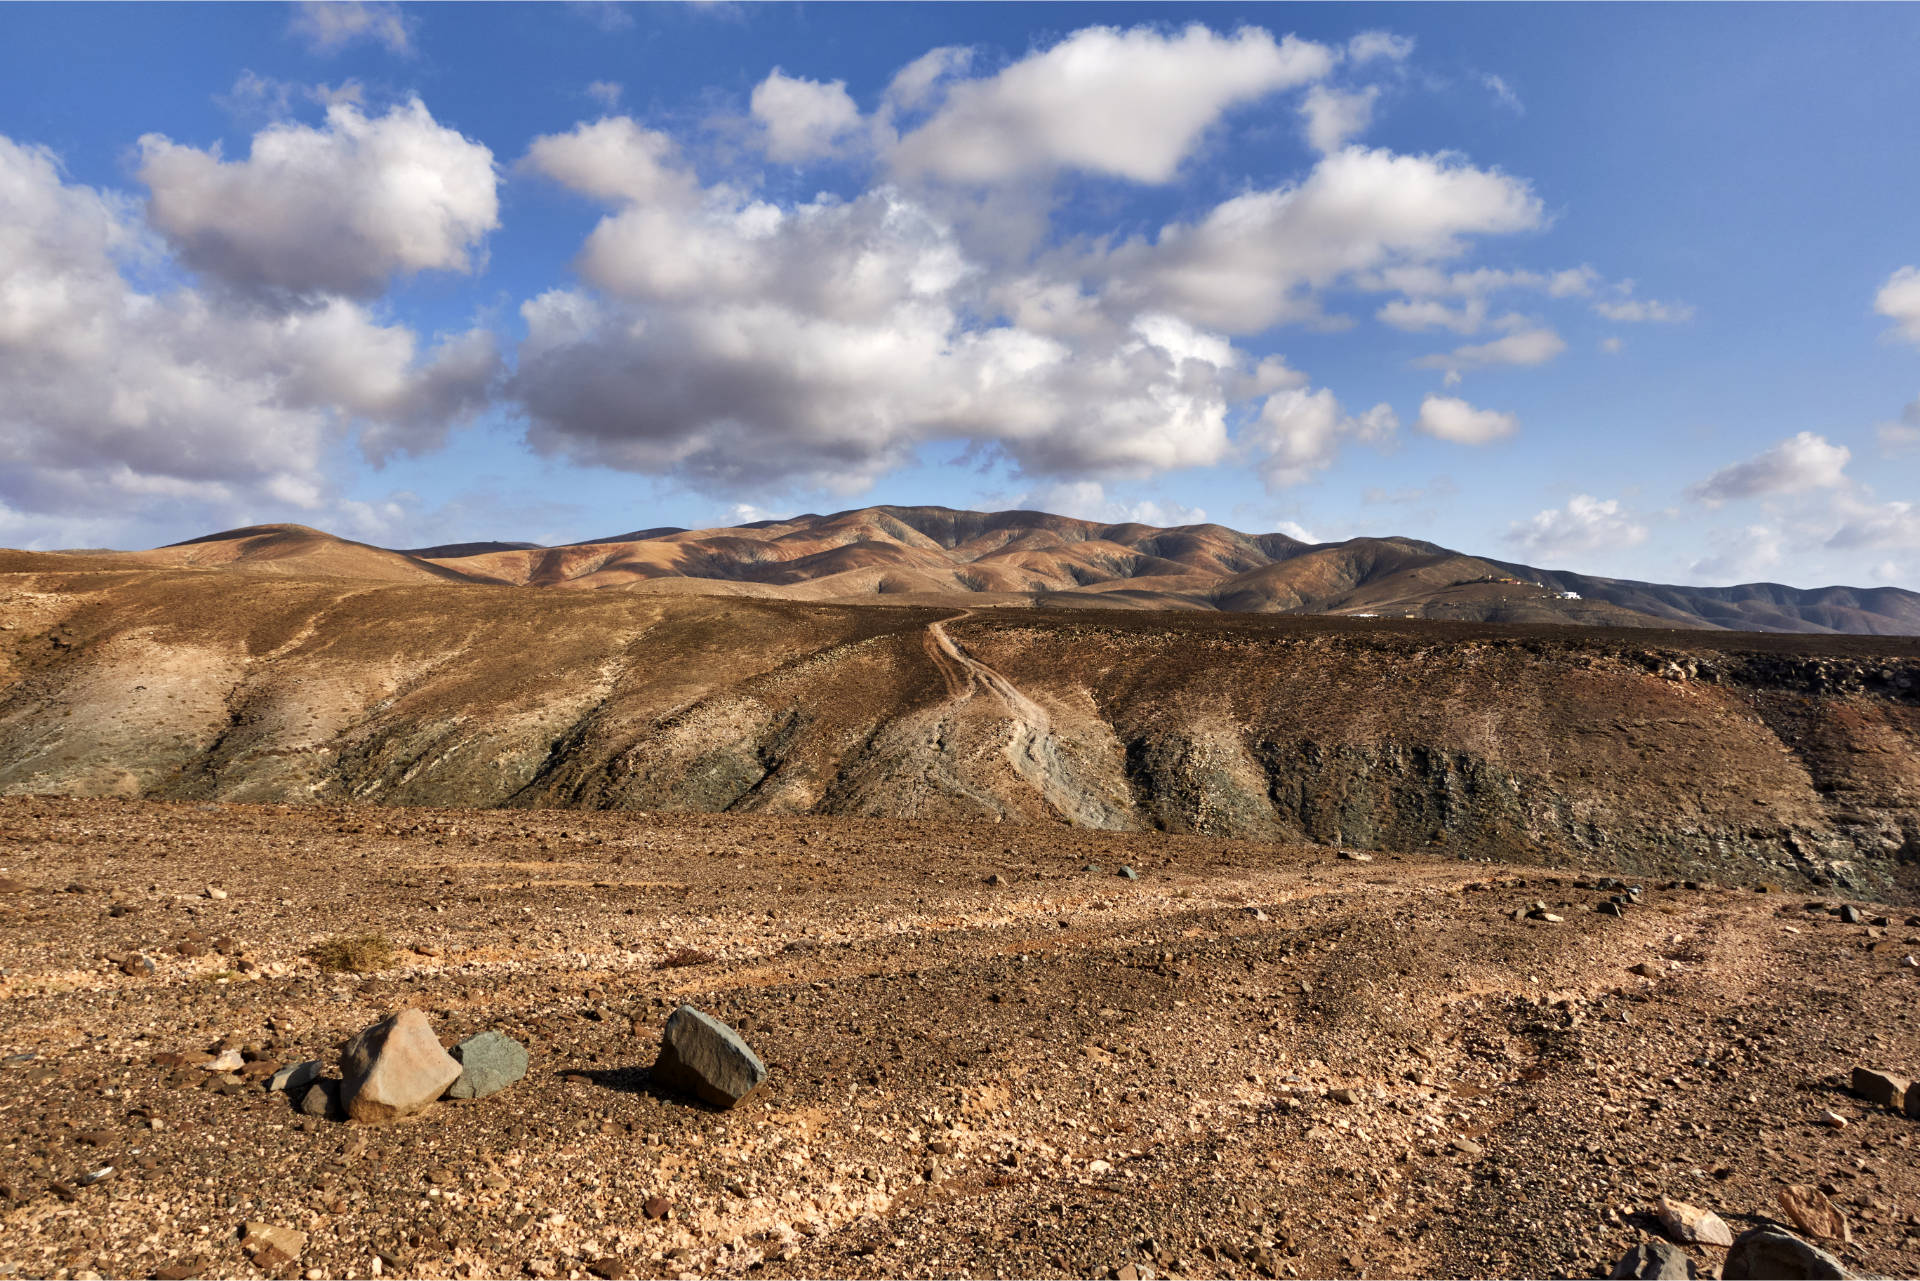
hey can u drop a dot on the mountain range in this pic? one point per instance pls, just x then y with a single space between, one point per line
926 555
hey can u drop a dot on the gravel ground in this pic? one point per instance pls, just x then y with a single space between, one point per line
1252 1060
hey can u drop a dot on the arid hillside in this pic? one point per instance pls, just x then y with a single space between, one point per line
975 559
1744 757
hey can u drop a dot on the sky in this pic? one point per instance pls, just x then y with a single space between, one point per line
1628 290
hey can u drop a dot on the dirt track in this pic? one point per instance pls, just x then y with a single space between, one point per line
1063 1074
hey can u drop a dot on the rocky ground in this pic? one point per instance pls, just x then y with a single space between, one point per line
1246 1060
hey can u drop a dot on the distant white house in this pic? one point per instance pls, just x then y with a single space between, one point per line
1569 595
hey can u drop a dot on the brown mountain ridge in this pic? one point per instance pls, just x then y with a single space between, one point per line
1030 558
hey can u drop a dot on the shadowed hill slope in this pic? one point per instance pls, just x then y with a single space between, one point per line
1745 756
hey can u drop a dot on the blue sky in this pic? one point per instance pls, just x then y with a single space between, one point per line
1623 289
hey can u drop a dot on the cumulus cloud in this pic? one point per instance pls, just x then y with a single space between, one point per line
329 25
1584 526
1299 433
119 396
917 83
1899 301
606 92
1131 104
1089 500
1450 418
1872 526
1333 116
1527 347
339 209
614 160
1803 462
1258 258
802 119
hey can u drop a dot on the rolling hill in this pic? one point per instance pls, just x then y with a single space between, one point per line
1027 558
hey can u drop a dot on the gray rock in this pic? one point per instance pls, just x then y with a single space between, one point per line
322 1099
489 1063
394 1068
1128 874
1611 908
702 1056
1884 1088
1653 1261
295 1077
1774 1254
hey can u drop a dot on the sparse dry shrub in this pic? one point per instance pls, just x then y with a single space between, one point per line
353 953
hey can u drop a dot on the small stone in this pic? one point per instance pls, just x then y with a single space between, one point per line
1884 1088
394 1068
322 1099
295 1078
1833 1120
702 1056
658 1207
1344 1095
996 880
1356 856
489 1062
135 964
9 885
1127 874
1769 1254
1653 1261
213 892
1811 1212
180 1271
1610 908
1466 1147
1690 1224
609 1269
225 1061
270 1246
1850 915
1646 970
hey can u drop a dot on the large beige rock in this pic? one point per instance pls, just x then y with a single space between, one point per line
393 1068
1811 1212
1691 1225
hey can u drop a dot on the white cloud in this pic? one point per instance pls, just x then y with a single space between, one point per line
1417 315
1295 530
1089 500
1527 347
614 160
915 84
730 341
1334 116
1899 301
329 25
1503 93
1584 526
1369 45
1628 310
1872 526
1610 346
339 209
606 92
1299 433
118 399
1453 419
1131 104
802 119
1255 260
1741 555
1904 434
1800 463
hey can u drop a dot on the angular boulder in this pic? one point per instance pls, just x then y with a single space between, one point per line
1652 1261
489 1062
1884 1088
1692 1225
701 1056
1809 1210
393 1068
295 1077
1772 1254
